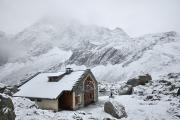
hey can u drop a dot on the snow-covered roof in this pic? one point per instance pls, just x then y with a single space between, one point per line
39 87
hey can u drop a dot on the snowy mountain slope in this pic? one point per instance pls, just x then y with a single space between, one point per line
65 34
155 54
15 73
116 53
112 54
161 58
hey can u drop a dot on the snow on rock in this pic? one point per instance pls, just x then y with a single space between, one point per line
6 108
125 89
115 109
159 58
140 80
178 92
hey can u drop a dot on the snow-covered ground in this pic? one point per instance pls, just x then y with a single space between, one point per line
135 108
163 105
113 57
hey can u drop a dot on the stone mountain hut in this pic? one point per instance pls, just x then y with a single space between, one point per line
67 90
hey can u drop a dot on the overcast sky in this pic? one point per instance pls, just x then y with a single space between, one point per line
136 17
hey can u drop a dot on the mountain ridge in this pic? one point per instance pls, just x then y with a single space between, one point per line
111 54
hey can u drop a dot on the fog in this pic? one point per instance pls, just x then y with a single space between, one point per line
136 17
10 50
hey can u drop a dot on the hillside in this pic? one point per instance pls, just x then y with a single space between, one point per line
50 45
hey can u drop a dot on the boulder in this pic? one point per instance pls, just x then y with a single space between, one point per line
8 90
102 89
125 90
107 119
173 75
165 82
178 92
172 87
115 109
6 109
140 80
2 87
77 117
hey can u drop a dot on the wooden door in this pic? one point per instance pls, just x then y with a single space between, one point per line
89 91
65 101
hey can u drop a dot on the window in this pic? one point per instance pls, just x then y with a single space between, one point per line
89 84
38 100
91 96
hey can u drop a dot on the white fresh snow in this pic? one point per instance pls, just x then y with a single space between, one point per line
39 87
136 109
137 106
12 73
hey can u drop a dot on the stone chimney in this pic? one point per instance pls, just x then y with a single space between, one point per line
69 70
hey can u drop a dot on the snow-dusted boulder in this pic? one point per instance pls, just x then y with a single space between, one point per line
125 90
2 87
140 80
6 108
178 92
108 119
115 109
8 90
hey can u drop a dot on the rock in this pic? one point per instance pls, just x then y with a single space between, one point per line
77 117
115 109
178 92
141 80
173 75
13 89
108 119
125 90
172 87
165 82
149 97
2 87
6 109
102 90
8 90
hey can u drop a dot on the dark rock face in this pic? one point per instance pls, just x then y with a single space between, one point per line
141 80
101 56
6 109
115 109
125 90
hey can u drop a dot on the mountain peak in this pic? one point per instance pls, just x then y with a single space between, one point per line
68 33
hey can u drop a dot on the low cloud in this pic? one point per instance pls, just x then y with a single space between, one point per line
137 17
